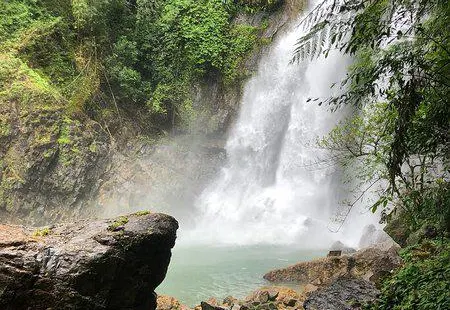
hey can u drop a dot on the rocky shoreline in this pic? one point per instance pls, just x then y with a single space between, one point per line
345 279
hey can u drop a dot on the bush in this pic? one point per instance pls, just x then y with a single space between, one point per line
422 283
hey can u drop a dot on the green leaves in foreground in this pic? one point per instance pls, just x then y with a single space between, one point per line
422 283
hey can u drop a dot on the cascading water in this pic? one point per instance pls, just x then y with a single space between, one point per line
268 192
268 207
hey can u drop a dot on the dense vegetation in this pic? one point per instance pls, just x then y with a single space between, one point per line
79 78
102 56
423 281
398 136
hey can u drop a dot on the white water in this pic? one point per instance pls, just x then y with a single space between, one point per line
268 192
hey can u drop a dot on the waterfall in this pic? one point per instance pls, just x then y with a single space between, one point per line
268 192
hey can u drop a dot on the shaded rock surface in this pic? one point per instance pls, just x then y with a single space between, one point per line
371 263
50 164
342 294
103 264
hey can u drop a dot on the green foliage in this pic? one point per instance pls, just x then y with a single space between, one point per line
399 88
42 232
15 16
119 222
141 213
252 6
397 139
18 82
422 283
111 54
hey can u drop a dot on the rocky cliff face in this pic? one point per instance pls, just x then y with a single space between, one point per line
371 264
107 264
51 159
54 161
49 164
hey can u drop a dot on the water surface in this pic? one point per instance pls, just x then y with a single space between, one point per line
201 272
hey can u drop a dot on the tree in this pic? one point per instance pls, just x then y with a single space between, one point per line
399 84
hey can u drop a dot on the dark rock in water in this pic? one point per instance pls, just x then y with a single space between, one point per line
342 294
334 253
86 264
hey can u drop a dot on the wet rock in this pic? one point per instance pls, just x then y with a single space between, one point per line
308 289
372 236
274 297
230 301
208 306
342 294
86 264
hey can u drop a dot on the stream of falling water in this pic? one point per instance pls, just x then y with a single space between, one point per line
269 192
268 207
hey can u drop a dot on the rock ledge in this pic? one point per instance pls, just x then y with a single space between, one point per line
101 264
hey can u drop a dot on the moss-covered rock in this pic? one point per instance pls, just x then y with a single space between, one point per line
50 160
397 226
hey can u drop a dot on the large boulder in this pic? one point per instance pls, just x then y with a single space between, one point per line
397 226
342 294
102 264
372 236
371 263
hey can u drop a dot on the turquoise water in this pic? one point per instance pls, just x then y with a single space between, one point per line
199 273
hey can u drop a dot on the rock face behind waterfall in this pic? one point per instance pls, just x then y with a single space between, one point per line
104 264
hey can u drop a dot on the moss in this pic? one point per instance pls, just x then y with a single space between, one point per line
93 147
121 221
422 282
64 136
42 232
141 213
48 153
76 150
19 83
